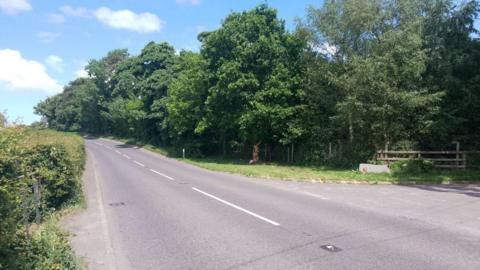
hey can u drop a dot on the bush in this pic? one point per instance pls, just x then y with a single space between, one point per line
412 166
46 249
54 158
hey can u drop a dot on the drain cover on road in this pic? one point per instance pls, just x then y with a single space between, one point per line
117 204
330 248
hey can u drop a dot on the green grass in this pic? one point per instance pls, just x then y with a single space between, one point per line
49 249
312 173
327 174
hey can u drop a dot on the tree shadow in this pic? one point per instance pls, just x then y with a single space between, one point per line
126 145
465 189
90 137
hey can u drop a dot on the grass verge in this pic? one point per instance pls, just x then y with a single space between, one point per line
48 247
313 173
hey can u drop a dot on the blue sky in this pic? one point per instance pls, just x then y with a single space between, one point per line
45 44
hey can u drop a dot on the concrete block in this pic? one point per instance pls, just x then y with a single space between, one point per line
371 168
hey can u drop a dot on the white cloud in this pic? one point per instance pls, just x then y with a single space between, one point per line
55 63
200 29
68 11
81 72
189 2
324 48
126 19
56 18
18 73
74 12
14 6
47 37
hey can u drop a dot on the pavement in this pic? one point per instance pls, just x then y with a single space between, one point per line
146 211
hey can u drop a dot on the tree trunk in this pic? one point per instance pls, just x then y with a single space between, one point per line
350 128
255 153
293 147
224 146
269 152
265 153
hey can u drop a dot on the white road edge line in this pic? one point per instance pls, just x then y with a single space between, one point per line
126 156
237 207
138 163
164 175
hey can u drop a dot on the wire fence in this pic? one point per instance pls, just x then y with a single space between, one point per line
31 205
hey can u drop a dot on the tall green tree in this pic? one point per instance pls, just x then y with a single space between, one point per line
379 47
255 80
185 102
453 47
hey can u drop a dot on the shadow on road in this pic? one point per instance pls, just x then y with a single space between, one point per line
125 146
466 189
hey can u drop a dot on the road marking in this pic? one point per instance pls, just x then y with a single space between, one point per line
109 147
138 163
316 195
164 175
118 152
97 143
237 207
126 156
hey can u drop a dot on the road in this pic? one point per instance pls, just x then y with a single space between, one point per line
146 211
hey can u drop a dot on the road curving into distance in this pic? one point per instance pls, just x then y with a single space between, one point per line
146 211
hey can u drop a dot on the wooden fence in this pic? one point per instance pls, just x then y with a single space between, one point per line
440 159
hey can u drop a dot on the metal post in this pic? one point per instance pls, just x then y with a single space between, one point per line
36 194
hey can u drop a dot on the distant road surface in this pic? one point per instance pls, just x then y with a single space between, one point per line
146 211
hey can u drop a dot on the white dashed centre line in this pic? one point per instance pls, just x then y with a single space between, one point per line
164 175
126 156
237 207
315 195
118 152
138 163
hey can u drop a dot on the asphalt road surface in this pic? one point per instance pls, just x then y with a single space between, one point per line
146 211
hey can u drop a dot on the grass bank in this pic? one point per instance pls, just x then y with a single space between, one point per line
313 173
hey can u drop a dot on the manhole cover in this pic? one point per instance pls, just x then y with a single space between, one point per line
117 204
330 248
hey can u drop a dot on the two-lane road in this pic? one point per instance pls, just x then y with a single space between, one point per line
146 211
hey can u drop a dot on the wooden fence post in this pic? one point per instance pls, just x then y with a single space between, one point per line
457 155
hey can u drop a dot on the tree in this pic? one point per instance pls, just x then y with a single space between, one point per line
255 80
76 109
378 45
185 102
3 120
453 47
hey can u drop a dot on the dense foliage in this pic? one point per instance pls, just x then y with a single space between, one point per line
27 156
353 77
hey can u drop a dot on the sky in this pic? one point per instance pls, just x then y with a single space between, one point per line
45 44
